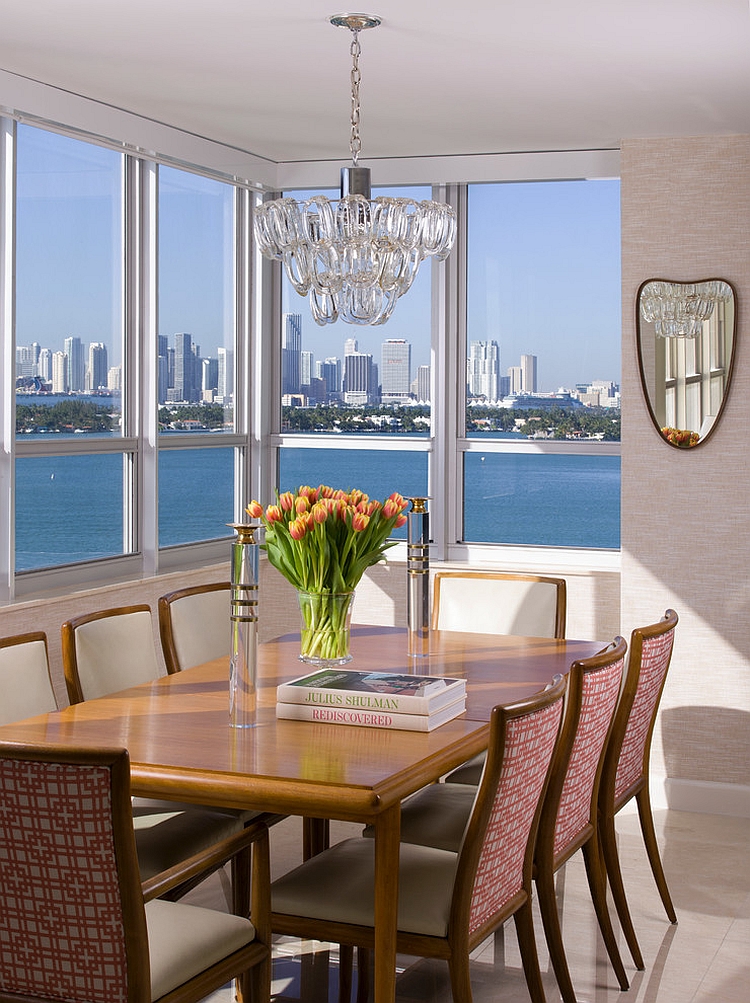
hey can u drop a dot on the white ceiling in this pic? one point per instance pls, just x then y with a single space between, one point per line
271 77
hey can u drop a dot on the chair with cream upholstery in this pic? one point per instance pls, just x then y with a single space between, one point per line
626 765
25 684
449 901
75 921
194 625
111 650
437 816
495 602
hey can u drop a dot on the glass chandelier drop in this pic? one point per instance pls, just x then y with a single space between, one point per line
354 258
679 309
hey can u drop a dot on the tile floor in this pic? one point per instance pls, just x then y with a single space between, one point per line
705 958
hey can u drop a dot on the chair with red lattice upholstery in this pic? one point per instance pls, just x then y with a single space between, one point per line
448 901
75 922
626 765
569 814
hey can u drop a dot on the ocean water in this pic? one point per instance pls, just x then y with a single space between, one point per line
70 508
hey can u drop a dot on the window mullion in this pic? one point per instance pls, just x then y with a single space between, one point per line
144 355
7 345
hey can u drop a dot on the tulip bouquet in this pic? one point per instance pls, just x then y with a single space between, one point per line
322 540
680 437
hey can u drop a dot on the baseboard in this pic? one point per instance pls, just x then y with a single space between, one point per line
701 796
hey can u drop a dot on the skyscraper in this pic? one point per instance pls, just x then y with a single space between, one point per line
60 384
96 373
291 350
484 370
421 384
186 369
395 369
306 368
330 371
226 375
528 374
209 379
73 348
360 379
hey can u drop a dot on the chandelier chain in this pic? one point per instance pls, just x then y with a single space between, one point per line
355 143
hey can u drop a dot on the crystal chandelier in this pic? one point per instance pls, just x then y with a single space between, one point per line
679 309
355 257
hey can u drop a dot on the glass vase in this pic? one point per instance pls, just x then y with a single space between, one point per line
325 627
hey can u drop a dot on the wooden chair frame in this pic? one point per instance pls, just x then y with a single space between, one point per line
456 946
166 633
609 804
252 963
559 583
546 861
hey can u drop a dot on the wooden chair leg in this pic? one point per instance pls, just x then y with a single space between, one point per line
364 974
598 887
527 944
611 861
545 886
458 969
646 817
346 964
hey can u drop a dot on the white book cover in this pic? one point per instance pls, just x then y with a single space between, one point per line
371 718
391 692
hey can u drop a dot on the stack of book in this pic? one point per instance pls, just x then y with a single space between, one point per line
372 699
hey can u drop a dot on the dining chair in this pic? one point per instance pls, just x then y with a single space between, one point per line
437 816
194 625
77 924
499 602
448 901
25 683
625 774
113 649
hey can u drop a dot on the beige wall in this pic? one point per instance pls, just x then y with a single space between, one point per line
685 526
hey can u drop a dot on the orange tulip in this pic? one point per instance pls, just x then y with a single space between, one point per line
255 510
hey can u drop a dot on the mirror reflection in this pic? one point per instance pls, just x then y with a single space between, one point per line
686 338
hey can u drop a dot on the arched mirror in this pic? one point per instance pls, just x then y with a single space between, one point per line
686 340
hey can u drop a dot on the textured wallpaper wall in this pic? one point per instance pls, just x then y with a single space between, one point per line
686 514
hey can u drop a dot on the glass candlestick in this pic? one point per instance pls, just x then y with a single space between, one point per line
418 578
243 667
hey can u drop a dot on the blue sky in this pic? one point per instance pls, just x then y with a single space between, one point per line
543 267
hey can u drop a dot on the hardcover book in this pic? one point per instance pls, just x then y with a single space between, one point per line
391 692
371 718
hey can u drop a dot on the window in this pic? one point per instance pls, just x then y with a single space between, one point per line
543 365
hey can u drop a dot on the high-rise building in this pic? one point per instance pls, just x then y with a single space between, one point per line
420 385
330 371
528 374
484 370
291 351
226 375
209 379
395 369
27 358
114 379
186 385
306 368
515 380
44 366
73 348
96 373
60 383
360 379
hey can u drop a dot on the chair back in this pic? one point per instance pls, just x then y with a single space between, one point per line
626 763
71 913
569 811
194 625
496 602
496 854
25 684
107 651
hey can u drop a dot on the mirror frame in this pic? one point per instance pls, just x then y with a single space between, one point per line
641 370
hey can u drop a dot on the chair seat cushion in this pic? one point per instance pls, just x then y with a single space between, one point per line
164 838
338 885
469 773
184 940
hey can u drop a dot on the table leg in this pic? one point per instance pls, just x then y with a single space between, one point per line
387 834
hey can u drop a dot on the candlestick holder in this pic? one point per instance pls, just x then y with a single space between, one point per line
418 578
243 666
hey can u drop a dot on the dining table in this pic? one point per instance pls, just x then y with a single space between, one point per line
182 747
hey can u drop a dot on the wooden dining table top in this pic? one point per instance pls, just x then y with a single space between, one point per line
181 745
